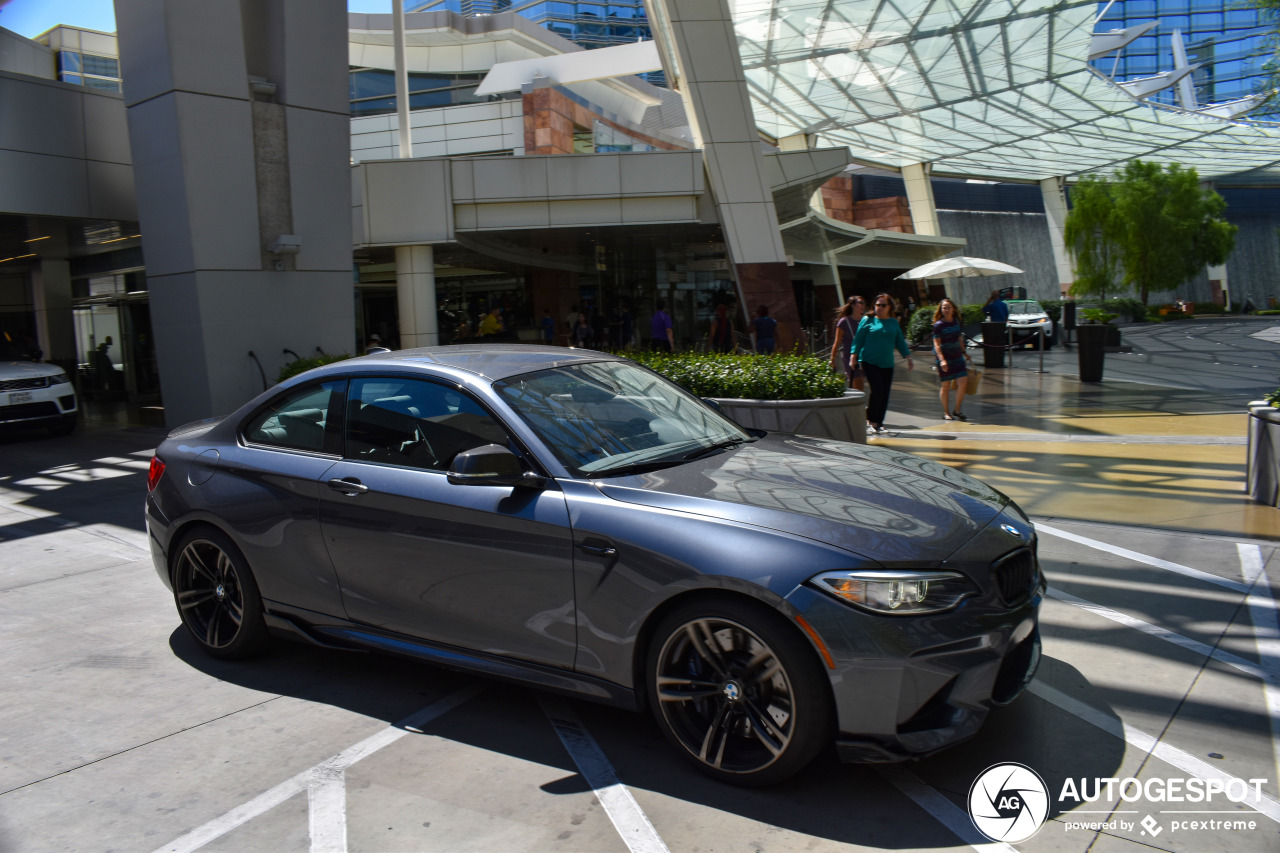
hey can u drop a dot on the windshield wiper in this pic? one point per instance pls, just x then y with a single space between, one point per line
712 448
635 468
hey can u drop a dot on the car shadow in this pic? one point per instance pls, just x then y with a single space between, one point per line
853 804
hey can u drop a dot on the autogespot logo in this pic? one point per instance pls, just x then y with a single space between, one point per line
1008 802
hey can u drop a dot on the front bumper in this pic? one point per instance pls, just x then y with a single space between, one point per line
906 687
31 406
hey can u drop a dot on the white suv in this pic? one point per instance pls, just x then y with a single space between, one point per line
33 393
1027 319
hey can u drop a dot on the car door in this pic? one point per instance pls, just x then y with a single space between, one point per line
264 491
481 567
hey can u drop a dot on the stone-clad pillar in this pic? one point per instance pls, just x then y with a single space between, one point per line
239 123
701 58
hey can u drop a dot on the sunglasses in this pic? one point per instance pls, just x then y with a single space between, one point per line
882 304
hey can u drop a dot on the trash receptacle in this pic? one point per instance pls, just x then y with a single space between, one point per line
1262 476
995 337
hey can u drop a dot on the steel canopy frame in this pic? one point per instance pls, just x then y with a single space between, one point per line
998 90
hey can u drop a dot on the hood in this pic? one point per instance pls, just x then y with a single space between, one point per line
882 504
27 369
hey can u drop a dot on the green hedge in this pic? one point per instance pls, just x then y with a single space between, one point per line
293 368
920 326
750 377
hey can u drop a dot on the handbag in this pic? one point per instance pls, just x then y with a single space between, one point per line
973 381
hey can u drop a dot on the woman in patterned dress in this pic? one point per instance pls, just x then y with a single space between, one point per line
948 345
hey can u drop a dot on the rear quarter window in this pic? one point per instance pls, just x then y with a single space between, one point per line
300 419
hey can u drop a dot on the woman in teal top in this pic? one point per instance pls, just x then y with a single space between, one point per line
873 345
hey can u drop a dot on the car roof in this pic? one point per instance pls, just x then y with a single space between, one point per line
491 361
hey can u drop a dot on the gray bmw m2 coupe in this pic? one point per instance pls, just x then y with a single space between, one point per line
571 521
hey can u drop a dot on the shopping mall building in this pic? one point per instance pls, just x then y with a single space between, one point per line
221 187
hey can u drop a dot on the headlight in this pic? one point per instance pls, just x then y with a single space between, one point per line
900 593
59 379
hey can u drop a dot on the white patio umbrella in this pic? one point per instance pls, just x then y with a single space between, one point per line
961 267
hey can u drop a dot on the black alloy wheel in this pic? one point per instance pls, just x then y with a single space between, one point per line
739 691
217 596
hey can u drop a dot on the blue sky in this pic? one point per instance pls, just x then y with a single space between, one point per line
30 18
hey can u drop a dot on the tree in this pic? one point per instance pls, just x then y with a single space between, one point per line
1093 234
1163 229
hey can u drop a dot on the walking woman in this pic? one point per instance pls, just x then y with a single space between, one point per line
848 316
948 346
873 345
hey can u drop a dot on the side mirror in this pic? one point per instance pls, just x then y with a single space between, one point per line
491 465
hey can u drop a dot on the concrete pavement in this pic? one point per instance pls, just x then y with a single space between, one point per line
1162 661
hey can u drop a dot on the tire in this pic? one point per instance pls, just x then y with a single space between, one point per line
738 691
217 596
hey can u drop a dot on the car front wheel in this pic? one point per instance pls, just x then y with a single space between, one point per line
217 596
739 692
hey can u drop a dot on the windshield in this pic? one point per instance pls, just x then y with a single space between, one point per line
15 347
1025 306
611 418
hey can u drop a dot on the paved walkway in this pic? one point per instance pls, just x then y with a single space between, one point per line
1160 442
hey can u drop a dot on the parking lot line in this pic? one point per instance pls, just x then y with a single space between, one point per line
1270 675
1184 761
240 815
1186 571
628 818
1266 634
941 809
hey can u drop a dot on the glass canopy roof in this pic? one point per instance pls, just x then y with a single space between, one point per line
993 89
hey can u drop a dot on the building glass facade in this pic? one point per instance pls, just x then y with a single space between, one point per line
87 69
587 24
373 90
1227 39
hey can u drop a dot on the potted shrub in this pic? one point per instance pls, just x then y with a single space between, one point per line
1263 472
786 393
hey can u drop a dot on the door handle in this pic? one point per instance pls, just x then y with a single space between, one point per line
598 547
350 486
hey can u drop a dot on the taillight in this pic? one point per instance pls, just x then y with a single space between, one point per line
154 473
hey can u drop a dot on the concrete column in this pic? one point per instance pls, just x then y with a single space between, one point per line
1218 284
702 61
1055 208
416 295
924 212
55 327
404 131
1218 274
924 215
239 123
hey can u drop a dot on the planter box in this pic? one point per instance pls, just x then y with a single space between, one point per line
1090 351
842 418
1263 477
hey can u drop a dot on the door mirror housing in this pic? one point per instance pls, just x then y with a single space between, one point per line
492 465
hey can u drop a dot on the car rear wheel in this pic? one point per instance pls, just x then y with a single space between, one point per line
738 691
217 596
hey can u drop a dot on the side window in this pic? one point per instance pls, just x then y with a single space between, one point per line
301 419
415 423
